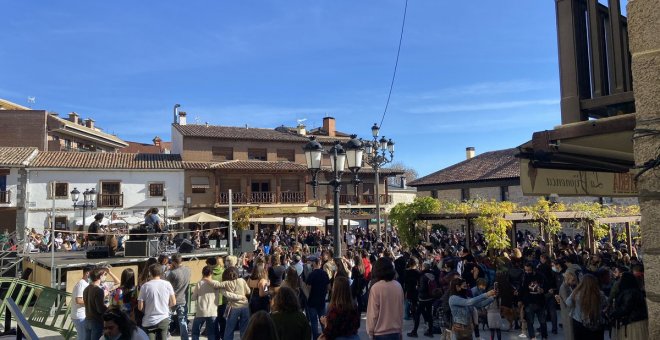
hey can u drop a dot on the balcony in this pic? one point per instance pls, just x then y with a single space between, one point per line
371 199
236 197
110 200
290 197
268 197
5 197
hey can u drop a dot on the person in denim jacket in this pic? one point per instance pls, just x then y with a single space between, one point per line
461 308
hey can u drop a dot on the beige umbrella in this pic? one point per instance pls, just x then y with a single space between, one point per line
202 218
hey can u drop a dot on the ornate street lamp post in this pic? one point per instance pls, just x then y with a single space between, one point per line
89 198
376 156
340 157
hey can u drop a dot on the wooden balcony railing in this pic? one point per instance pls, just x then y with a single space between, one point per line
345 199
5 196
110 200
292 197
371 199
262 197
236 197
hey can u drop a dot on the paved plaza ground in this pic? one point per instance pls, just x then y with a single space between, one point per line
408 324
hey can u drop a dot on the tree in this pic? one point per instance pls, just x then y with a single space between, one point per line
242 217
409 173
404 217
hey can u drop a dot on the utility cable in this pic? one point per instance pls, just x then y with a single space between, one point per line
396 64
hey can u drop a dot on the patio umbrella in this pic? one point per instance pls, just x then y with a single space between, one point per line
202 218
344 221
306 221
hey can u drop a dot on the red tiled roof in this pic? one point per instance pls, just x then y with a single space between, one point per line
494 165
106 160
232 132
259 165
135 147
15 155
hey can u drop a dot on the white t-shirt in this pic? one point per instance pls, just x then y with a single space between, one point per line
156 297
78 310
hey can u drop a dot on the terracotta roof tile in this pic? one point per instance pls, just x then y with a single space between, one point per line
135 147
500 164
106 160
10 156
232 132
259 165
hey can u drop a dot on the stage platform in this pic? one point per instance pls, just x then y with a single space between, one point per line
68 265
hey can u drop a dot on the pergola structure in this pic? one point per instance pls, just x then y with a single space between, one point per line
521 217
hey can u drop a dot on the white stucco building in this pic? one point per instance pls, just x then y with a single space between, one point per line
12 176
126 185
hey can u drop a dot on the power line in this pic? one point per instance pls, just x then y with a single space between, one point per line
396 64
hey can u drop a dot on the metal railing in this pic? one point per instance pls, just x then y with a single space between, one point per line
23 328
371 199
262 197
110 200
293 197
5 197
43 307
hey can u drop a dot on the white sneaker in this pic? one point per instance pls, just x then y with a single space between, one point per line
522 335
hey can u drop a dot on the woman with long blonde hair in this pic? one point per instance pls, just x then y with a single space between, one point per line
589 304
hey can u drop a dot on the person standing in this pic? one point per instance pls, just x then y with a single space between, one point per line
461 307
588 303
565 290
343 319
155 299
78 303
93 297
385 306
179 277
319 282
290 322
532 294
630 311
238 310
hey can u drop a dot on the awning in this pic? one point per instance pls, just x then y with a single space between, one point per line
590 158
200 182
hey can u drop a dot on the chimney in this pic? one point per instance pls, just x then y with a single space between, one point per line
329 126
403 182
73 117
157 141
469 152
182 118
301 130
89 122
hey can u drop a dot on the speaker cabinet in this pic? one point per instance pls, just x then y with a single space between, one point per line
247 237
98 252
186 247
141 248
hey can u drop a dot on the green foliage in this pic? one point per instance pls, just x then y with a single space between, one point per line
542 214
494 224
242 217
404 217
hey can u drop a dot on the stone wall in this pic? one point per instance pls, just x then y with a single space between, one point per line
643 28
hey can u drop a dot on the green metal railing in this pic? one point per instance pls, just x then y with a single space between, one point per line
43 307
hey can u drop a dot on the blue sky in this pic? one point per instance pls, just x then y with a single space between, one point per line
471 73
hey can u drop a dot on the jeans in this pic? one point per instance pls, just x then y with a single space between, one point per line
158 331
313 315
182 318
423 308
350 337
79 324
551 309
220 321
239 316
406 309
393 336
197 327
93 329
538 311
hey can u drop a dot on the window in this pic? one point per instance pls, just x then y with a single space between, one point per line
260 186
257 154
110 195
504 193
199 184
434 193
61 190
156 189
465 194
222 153
284 155
61 223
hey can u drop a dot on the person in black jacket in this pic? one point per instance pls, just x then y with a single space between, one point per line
427 281
410 286
532 293
630 312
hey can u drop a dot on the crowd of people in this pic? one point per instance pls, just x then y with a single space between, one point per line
293 287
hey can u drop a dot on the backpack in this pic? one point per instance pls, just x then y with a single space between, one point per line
432 288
